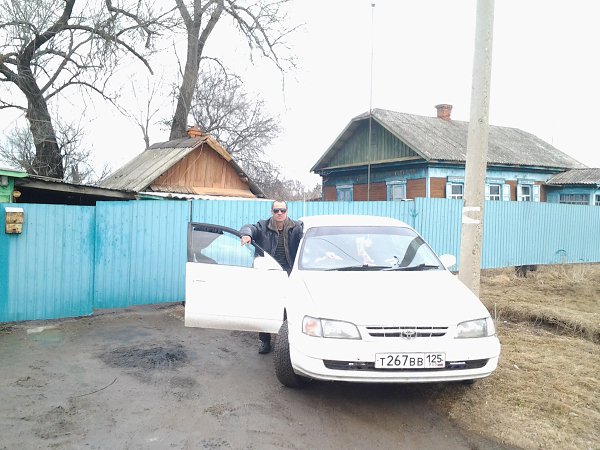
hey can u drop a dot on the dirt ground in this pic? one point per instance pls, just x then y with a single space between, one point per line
138 379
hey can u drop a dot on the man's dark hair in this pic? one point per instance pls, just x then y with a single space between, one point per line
278 201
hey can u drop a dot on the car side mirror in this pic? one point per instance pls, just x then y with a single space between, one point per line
448 260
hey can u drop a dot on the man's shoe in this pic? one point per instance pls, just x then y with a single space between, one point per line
265 347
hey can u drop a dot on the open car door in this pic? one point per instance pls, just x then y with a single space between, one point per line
229 286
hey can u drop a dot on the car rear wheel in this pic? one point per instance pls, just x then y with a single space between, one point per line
281 359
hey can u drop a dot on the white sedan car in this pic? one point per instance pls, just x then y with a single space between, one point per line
367 301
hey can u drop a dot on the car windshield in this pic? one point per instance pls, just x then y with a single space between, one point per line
365 248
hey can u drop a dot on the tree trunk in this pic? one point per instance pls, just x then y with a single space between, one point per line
195 46
48 160
186 91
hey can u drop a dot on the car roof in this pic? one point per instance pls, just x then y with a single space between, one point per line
340 220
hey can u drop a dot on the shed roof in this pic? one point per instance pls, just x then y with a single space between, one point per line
40 189
590 176
139 173
436 139
11 172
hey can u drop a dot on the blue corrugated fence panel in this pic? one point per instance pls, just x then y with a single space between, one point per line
524 233
439 222
140 253
48 267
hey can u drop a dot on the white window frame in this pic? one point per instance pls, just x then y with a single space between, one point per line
342 190
496 196
455 182
532 196
457 196
574 199
597 201
396 186
525 193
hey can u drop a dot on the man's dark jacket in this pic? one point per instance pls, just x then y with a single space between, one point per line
264 233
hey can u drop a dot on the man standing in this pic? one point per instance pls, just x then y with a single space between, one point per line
279 236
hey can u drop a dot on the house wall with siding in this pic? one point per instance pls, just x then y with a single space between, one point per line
416 179
416 188
554 192
437 187
206 172
6 191
384 145
378 192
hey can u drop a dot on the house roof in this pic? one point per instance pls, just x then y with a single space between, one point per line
39 189
436 139
11 172
590 176
139 173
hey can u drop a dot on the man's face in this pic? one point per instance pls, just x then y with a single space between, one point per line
279 212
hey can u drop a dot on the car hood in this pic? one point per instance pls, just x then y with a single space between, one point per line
394 298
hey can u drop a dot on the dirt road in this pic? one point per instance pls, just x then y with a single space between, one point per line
138 379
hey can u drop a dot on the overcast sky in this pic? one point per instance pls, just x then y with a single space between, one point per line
545 74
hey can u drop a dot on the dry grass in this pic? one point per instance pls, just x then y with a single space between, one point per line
565 297
545 393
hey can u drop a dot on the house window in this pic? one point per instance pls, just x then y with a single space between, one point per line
575 199
495 192
597 202
344 193
457 190
526 193
396 190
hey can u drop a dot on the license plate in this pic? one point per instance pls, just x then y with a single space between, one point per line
410 360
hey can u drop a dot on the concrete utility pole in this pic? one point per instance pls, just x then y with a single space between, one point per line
477 149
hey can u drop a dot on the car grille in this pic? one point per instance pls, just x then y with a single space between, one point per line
370 366
407 332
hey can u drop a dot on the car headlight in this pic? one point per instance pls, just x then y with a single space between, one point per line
476 328
329 328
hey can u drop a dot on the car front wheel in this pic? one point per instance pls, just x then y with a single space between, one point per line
281 359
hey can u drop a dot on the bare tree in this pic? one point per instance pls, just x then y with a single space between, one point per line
148 112
18 150
48 46
222 108
261 22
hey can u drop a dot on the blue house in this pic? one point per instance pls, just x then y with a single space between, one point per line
389 155
575 186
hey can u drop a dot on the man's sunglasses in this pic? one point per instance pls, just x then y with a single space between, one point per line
279 210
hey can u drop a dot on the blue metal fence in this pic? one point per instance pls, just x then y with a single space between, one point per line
140 253
47 271
72 259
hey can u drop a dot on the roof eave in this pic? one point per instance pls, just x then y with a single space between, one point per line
55 185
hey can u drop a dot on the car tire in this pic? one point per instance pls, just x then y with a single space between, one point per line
282 362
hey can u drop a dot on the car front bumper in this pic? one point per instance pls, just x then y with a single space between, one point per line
353 360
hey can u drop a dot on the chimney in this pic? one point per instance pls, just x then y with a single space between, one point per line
194 132
443 111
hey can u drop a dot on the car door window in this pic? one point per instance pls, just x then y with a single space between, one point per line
214 245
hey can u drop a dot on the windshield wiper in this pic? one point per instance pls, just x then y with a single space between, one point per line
416 268
364 267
